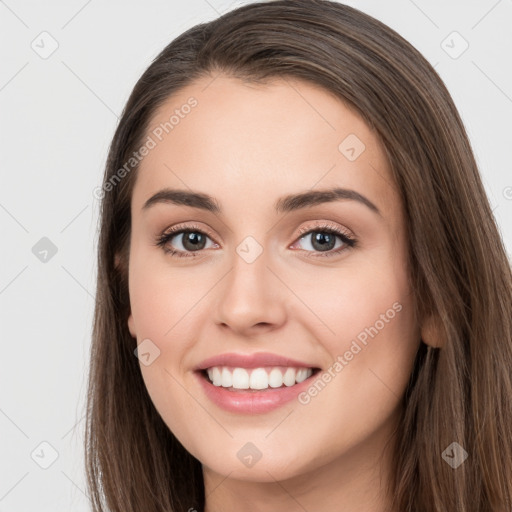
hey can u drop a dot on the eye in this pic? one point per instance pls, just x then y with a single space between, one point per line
324 240
191 239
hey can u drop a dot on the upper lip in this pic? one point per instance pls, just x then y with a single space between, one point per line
256 360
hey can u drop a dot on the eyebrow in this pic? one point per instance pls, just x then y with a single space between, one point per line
284 204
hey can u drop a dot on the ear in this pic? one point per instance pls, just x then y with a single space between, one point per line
131 326
121 262
118 263
432 332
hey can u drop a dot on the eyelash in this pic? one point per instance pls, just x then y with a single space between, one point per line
164 238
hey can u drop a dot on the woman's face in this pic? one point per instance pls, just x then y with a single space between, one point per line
256 279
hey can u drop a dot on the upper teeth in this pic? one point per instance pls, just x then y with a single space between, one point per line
257 378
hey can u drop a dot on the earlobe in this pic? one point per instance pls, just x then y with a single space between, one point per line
432 332
131 326
118 263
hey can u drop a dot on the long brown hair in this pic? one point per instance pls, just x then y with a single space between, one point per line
460 392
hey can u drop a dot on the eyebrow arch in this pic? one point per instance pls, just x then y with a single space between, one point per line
284 204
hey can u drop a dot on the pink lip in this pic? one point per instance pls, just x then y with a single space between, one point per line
254 401
256 360
251 402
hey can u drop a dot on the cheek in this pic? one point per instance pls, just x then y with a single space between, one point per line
160 296
168 312
368 326
349 299
162 306
372 347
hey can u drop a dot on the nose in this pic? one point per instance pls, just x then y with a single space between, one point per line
251 298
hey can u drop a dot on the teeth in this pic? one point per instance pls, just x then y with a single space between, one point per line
257 378
302 374
240 379
275 378
226 378
289 377
216 377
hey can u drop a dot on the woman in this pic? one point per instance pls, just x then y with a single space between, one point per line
297 247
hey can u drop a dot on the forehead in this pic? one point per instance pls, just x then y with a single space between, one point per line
226 137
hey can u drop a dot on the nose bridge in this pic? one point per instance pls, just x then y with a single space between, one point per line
250 292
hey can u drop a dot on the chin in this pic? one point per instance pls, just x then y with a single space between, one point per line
264 469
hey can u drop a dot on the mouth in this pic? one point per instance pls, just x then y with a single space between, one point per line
254 380
256 383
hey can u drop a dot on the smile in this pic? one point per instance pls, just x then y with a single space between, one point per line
254 383
236 378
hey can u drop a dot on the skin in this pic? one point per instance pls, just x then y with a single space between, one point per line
247 145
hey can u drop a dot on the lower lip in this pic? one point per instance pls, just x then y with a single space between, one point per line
252 402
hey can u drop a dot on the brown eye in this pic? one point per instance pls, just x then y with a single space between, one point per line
183 242
323 239
192 240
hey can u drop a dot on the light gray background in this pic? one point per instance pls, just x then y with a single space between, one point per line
58 115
